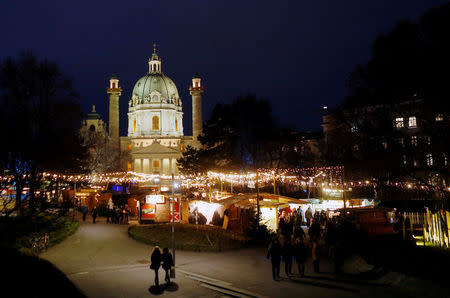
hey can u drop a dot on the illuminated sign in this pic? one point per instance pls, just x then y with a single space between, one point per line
164 188
154 199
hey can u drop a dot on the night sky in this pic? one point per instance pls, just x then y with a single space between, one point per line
297 54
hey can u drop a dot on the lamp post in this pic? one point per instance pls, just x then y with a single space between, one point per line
173 222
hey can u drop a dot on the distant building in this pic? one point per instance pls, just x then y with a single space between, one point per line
410 134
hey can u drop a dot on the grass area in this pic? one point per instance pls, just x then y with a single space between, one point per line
187 237
18 233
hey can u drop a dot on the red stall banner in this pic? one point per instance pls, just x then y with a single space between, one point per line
148 211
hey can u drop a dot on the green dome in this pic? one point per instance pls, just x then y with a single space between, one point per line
155 82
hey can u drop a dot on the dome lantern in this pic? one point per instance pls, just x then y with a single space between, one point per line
154 63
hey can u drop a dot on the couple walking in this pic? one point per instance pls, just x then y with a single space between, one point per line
165 260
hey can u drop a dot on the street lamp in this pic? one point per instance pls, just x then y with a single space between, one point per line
173 222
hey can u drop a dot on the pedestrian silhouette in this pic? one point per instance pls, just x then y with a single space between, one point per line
156 259
274 253
167 263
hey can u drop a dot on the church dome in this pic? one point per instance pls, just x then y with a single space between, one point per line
154 84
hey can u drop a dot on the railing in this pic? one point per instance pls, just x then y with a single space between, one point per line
436 228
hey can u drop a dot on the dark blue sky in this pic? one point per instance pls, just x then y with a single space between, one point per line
297 54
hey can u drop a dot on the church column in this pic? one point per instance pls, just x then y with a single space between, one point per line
114 91
137 165
166 166
146 166
196 91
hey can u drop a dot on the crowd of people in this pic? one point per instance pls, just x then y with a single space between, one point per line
324 235
113 215
118 215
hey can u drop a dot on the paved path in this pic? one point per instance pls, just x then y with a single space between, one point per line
104 262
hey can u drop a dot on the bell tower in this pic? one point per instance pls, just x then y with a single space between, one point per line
196 91
114 91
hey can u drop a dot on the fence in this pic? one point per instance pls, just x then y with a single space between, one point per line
436 228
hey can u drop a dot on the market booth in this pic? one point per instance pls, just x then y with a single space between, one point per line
158 208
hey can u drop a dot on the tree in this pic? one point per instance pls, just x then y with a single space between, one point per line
406 75
242 136
40 119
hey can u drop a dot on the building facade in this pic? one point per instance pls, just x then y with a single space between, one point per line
155 138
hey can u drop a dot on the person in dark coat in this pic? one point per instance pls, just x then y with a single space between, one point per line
167 263
274 253
300 255
299 233
94 214
85 211
156 259
308 216
314 230
288 251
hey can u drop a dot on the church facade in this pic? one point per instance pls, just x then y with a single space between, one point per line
155 137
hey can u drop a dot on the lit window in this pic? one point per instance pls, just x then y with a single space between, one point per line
155 123
414 140
384 144
412 122
399 122
445 159
439 117
134 126
176 125
155 98
404 160
428 139
156 163
416 163
129 147
429 159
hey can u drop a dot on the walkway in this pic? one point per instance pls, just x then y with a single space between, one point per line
104 262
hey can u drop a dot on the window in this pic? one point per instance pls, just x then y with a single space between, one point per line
415 163
414 140
444 156
129 147
155 98
404 160
412 122
156 163
176 124
439 117
354 128
399 122
134 125
428 140
155 123
92 127
429 159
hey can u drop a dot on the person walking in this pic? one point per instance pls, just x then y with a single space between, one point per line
287 257
308 216
85 211
167 263
94 214
108 214
156 259
300 255
274 253
315 254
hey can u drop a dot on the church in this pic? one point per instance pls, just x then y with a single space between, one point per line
155 138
